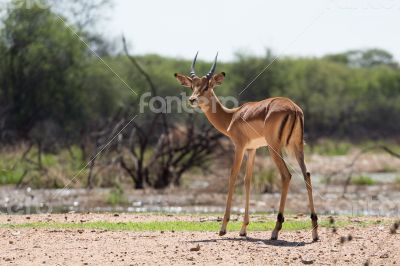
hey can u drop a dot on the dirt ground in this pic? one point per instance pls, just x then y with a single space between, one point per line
102 247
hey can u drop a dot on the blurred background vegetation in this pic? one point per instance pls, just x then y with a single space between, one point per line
60 104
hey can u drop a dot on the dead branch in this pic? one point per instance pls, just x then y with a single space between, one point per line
350 167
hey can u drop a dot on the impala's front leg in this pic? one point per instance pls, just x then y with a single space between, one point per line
247 184
232 180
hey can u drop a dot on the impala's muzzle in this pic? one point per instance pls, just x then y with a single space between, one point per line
193 101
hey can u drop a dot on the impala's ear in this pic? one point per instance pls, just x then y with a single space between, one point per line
217 79
184 80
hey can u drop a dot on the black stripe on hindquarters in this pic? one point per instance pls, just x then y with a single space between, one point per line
291 130
282 127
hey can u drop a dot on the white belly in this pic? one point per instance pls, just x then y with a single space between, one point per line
257 143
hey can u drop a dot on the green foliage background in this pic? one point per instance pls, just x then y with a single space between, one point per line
48 76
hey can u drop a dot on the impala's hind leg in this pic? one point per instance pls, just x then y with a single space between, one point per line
276 155
299 153
247 183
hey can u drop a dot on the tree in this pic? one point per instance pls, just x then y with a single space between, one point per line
245 70
84 14
364 58
43 68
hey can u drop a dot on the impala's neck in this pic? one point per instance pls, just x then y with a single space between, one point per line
218 115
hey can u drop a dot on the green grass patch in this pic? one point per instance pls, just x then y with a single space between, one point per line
363 181
181 226
9 176
329 147
56 167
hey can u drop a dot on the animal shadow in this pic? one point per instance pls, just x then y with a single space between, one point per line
268 242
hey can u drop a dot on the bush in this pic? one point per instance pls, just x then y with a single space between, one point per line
330 147
363 181
10 177
117 197
265 181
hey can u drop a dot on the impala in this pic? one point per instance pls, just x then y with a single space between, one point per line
276 123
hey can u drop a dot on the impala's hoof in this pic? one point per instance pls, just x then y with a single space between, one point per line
315 236
274 236
222 233
243 234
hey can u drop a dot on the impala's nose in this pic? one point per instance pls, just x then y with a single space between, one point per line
192 100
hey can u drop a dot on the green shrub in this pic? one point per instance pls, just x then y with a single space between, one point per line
265 181
117 197
330 148
10 177
363 181
49 160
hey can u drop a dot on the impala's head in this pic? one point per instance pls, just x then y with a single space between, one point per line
202 87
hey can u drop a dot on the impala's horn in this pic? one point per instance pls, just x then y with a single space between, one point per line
212 70
192 71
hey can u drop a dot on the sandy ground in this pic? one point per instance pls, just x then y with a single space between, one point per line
99 247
